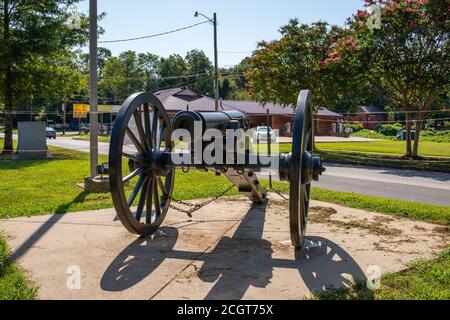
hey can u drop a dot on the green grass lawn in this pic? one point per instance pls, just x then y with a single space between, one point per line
423 280
385 147
397 148
13 283
87 138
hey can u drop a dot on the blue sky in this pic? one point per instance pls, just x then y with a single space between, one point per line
242 23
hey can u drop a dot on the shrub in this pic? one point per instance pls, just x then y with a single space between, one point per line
356 127
372 135
389 130
436 136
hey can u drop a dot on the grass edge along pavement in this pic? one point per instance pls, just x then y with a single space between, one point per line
380 160
422 280
14 284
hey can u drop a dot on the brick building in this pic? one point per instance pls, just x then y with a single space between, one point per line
370 117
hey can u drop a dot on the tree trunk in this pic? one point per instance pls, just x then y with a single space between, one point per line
7 86
419 127
408 135
8 144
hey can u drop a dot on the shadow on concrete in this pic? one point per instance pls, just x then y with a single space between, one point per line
45 227
236 264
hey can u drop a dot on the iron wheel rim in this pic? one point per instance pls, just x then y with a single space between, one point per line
150 190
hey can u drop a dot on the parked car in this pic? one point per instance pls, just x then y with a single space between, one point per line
84 128
262 134
50 133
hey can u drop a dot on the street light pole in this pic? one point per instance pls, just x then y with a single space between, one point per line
216 57
93 98
216 64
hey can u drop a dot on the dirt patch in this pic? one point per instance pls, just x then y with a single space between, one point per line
279 203
443 230
323 215
383 219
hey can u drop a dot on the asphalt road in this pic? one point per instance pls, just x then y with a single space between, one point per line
409 185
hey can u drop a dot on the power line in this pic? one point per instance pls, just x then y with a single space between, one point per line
236 52
155 35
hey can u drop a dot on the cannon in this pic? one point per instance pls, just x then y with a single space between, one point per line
144 158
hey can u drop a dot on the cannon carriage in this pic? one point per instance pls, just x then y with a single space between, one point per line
143 143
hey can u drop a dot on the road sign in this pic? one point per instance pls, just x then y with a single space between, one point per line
80 111
105 108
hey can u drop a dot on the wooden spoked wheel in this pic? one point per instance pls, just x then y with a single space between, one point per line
301 174
141 185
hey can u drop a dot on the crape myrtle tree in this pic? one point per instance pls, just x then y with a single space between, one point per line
278 70
32 34
408 55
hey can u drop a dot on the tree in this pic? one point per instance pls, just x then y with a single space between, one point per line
122 76
408 56
199 70
150 63
225 88
172 71
32 33
280 69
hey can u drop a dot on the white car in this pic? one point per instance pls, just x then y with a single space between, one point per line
262 134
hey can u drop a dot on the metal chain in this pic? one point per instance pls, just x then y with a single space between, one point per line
197 207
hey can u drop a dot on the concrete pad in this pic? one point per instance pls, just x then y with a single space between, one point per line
230 250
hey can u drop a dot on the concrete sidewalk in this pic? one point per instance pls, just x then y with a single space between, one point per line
228 251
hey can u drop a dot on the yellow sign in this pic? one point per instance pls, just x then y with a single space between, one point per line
80 111
105 108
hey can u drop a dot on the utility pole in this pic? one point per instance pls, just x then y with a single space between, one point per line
64 110
93 97
216 56
216 64
269 144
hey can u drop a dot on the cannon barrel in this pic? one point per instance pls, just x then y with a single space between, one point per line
211 120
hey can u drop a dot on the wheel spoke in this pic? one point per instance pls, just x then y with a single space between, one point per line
160 138
132 157
157 200
142 199
140 129
148 217
308 141
133 174
135 141
148 131
305 193
155 128
162 187
136 190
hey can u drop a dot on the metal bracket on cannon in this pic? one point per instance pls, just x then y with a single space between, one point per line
142 142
